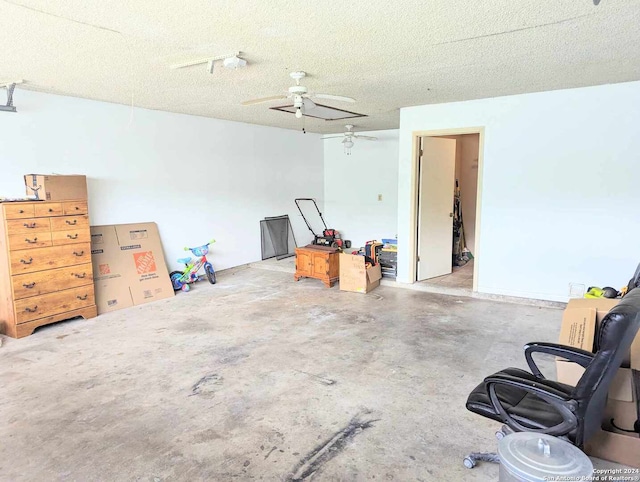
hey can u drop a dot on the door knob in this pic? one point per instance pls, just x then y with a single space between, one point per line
450 215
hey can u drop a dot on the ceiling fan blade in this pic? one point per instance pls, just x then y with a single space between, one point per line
369 138
333 97
308 104
264 99
332 137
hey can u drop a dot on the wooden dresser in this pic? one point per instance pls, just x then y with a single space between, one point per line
318 262
45 265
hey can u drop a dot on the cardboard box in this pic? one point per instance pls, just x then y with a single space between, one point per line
128 266
578 328
50 187
621 388
355 276
580 324
576 314
614 447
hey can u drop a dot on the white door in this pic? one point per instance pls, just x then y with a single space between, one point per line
435 206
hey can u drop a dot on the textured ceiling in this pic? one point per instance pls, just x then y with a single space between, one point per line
385 54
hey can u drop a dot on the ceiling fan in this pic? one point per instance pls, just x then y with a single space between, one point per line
349 136
300 95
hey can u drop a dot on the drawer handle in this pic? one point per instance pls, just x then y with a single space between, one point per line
75 221
21 212
30 225
31 241
30 285
75 236
81 253
23 261
82 298
78 275
50 210
31 310
77 208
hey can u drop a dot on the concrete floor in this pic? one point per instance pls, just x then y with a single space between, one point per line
262 378
461 277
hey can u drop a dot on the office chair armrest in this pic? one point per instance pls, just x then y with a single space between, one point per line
560 401
575 355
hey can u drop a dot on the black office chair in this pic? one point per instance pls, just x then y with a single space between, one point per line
528 402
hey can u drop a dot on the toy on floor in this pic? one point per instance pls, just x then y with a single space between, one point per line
181 279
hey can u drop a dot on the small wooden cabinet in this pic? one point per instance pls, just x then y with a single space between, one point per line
45 265
318 262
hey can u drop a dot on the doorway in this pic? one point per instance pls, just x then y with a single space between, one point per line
447 203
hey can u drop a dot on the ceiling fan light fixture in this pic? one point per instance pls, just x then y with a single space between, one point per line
348 144
298 113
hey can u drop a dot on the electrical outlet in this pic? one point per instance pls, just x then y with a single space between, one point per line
379 197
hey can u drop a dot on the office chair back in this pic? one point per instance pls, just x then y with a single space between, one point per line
615 336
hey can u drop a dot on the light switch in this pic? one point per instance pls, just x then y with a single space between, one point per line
379 197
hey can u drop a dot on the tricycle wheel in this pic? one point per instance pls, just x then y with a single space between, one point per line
211 274
175 280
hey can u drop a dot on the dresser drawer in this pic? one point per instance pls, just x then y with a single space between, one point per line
64 223
75 207
39 239
28 225
53 303
18 211
42 282
39 259
71 236
48 209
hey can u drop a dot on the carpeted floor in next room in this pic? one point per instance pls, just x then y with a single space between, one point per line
260 377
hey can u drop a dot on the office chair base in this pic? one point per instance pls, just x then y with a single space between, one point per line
472 459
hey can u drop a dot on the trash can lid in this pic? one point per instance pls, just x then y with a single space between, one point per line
534 457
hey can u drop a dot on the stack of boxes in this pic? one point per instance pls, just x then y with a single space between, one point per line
617 441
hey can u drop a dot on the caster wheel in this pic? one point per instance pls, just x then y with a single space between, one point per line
469 462
500 435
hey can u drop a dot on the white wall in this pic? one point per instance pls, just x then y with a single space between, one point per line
196 177
560 187
353 182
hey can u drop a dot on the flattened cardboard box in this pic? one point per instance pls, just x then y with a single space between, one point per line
54 187
128 266
355 276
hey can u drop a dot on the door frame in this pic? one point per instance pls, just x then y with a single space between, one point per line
413 218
